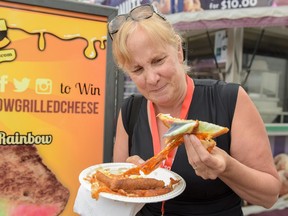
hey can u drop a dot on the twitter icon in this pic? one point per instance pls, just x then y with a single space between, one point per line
21 85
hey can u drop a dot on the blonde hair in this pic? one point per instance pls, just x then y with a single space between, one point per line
159 30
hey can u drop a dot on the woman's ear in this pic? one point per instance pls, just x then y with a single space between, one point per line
183 51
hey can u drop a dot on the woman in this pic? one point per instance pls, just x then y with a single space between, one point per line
241 166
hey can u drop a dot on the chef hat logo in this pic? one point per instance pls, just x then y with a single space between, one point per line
4 41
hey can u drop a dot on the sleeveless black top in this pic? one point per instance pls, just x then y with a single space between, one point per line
213 101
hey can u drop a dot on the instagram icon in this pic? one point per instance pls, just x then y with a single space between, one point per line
43 86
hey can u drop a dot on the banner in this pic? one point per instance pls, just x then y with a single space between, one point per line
177 6
53 86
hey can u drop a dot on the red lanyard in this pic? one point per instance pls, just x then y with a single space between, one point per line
154 128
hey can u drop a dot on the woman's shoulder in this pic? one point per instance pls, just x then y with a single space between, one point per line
217 86
221 96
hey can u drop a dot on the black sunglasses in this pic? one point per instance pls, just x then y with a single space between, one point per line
141 12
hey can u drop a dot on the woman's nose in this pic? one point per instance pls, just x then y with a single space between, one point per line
152 76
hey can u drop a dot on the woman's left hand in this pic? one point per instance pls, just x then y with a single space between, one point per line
135 159
207 165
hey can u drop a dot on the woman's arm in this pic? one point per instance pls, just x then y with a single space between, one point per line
250 170
259 182
120 151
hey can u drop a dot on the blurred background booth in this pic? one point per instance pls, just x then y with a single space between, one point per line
247 46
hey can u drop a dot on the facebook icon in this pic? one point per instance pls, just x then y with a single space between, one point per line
3 82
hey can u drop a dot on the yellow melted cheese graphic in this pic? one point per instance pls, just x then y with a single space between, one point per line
64 25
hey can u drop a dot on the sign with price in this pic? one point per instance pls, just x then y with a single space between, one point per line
233 4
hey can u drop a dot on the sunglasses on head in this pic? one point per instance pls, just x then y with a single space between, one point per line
138 13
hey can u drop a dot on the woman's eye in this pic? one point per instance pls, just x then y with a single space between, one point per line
136 70
159 61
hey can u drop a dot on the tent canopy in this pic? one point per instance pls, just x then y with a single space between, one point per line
194 27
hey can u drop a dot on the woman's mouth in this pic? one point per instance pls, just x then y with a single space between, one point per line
157 90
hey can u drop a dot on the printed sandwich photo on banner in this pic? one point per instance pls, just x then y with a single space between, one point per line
52 92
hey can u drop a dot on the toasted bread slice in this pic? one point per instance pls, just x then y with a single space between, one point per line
203 130
27 183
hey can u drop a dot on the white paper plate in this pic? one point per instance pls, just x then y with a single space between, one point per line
160 174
